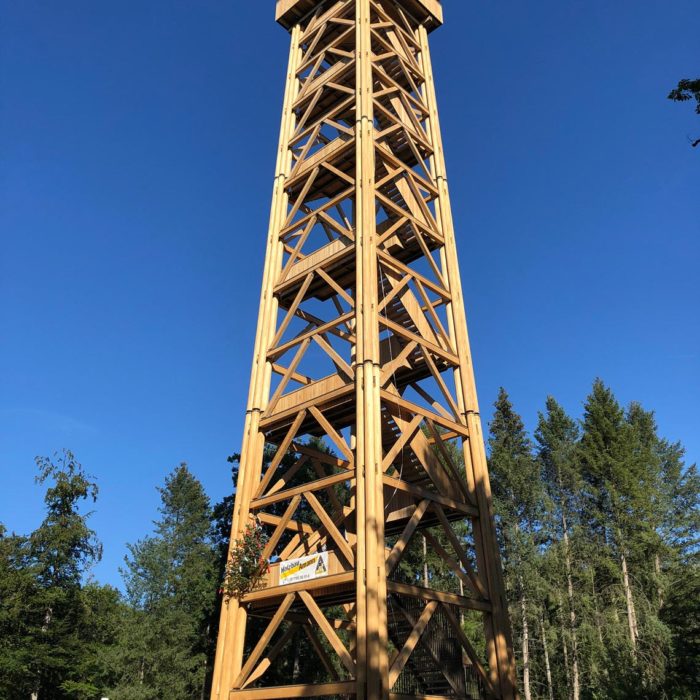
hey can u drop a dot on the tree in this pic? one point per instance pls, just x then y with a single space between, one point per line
685 91
680 569
556 436
171 583
518 504
59 554
17 590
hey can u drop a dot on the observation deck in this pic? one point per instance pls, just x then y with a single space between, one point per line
428 12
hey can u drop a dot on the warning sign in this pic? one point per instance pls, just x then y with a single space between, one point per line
304 569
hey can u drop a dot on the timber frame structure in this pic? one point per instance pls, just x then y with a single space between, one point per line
362 443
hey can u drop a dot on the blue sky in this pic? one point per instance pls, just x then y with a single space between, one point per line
137 145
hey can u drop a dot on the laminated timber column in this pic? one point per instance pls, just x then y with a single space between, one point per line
372 658
500 645
232 622
362 447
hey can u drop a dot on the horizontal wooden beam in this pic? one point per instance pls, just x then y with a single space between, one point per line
314 584
430 594
295 691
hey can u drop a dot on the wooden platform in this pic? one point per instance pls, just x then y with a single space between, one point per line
289 12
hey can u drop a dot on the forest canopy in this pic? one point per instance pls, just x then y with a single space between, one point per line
597 518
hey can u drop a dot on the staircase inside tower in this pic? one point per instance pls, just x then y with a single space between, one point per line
436 666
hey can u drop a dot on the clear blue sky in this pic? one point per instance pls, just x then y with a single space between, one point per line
137 144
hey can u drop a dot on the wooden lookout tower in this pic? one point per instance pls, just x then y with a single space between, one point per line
363 457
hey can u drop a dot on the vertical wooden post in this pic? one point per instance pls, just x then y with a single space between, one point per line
371 579
232 621
502 661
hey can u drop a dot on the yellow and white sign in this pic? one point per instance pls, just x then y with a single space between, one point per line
304 569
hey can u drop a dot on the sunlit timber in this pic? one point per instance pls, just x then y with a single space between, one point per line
363 456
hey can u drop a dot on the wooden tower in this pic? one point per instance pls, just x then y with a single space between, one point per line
363 455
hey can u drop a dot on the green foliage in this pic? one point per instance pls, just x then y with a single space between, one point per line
619 532
44 619
575 506
246 566
687 90
171 582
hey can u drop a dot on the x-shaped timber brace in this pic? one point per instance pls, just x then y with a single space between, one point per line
362 436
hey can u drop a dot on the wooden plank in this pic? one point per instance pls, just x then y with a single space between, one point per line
324 457
289 493
286 692
399 696
315 584
277 352
339 362
309 395
407 335
314 261
440 382
430 594
292 309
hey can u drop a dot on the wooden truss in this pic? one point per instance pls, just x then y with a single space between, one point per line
362 436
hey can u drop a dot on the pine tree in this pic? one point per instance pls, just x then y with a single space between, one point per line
556 436
518 505
679 570
171 582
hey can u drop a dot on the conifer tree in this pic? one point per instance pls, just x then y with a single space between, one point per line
557 436
518 505
17 590
60 552
170 580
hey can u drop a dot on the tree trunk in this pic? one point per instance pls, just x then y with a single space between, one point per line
48 617
631 613
659 589
547 668
203 694
526 648
598 626
565 652
576 691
